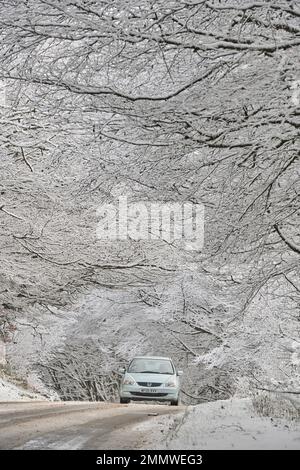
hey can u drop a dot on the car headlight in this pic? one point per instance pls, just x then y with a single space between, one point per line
171 383
128 380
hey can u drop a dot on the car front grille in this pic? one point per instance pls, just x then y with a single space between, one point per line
142 394
149 384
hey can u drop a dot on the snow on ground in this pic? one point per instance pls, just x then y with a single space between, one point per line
224 424
12 392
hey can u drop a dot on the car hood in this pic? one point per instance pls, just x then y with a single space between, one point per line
145 377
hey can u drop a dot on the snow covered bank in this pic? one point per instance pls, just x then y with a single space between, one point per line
227 424
12 392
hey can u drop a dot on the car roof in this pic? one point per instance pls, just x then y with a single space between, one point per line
152 357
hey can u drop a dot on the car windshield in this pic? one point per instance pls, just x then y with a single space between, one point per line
153 366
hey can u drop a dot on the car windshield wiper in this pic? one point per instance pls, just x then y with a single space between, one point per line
154 372
149 372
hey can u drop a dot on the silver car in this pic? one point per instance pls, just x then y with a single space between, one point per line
150 378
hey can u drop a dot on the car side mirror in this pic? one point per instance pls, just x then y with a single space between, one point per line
122 370
180 372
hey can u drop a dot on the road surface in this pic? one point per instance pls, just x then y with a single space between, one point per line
76 425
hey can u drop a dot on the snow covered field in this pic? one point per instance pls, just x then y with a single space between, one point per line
12 392
224 424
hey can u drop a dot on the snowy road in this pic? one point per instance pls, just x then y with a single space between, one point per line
226 424
76 425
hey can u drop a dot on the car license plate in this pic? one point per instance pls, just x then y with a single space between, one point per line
148 390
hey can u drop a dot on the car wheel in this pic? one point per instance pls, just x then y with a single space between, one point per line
124 400
174 402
